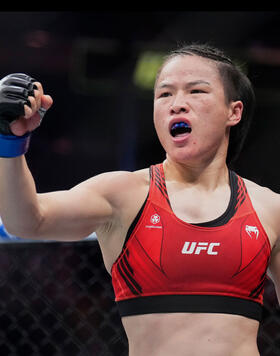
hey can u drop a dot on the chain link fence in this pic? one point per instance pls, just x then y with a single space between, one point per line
56 299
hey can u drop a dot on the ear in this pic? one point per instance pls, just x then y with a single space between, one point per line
235 112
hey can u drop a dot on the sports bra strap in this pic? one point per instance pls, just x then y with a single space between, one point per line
158 192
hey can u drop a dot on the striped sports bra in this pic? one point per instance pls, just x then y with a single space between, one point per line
168 265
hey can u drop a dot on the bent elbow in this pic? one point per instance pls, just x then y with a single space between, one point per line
13 230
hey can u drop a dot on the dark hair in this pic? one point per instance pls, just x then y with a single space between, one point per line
237 86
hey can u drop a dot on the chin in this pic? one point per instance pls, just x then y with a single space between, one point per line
182 157
189 157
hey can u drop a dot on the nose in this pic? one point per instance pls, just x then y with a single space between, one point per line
179 104
176 109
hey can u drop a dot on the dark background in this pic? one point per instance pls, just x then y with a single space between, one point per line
56 299
101 119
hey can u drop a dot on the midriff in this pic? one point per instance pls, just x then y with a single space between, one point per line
191 334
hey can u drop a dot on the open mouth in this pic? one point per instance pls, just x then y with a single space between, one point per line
179 129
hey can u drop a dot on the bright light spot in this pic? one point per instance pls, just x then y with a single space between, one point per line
146 69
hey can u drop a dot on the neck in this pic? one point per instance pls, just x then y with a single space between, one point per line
207 176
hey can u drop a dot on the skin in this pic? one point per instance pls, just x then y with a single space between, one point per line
188 87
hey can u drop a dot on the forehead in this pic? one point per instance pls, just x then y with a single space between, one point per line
189 68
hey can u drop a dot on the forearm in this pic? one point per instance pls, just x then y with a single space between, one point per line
25 213
19 207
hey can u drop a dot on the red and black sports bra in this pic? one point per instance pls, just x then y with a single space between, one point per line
168 265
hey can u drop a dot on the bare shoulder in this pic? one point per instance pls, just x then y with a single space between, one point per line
264 194
116 186
266 203
126 185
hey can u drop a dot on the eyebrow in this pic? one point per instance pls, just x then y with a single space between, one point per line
188 85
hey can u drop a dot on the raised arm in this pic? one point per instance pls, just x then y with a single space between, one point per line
63 215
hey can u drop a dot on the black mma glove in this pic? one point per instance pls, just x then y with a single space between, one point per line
14 91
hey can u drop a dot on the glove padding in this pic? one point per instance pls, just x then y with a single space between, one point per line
14 91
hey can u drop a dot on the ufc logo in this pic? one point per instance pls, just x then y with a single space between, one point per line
195 248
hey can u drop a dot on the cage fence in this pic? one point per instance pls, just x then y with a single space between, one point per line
56 299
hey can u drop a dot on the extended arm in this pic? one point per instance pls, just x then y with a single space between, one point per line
61 215
64 215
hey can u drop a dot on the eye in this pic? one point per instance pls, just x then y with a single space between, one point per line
197 91
164 94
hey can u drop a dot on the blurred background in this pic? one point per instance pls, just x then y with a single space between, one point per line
99 67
